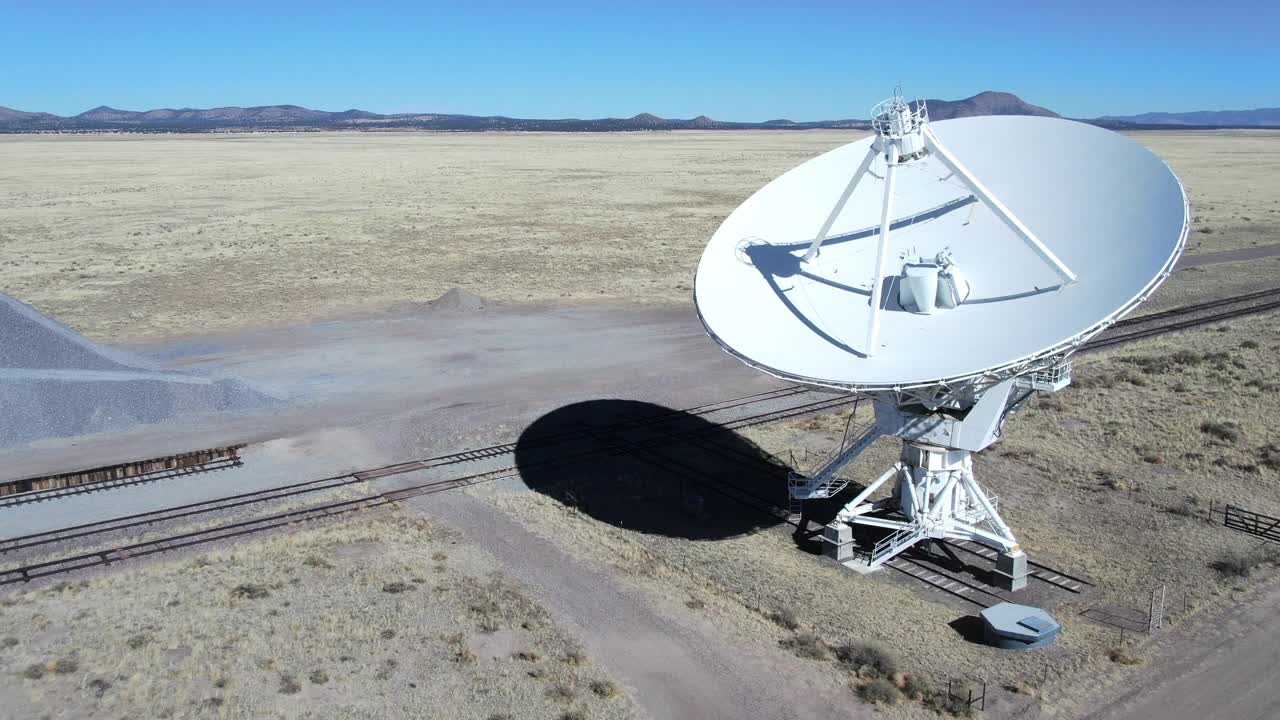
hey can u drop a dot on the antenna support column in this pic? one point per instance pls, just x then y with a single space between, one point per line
989 199
886 219
812 252
935 495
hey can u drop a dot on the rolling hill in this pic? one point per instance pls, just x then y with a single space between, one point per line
294 117
1261 117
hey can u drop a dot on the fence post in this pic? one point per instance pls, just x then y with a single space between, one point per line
1155 619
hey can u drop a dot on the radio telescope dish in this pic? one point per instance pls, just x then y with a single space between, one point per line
1108 211
947 270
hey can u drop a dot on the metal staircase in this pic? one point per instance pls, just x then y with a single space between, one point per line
825 482
894 544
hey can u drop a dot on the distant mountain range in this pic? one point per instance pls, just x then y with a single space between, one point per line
984 103
293 117
1262 117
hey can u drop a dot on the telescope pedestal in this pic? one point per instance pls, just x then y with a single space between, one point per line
935 495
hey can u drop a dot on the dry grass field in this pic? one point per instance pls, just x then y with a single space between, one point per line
1229 176
144 237
381 616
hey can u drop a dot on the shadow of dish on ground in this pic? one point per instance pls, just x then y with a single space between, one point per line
651 469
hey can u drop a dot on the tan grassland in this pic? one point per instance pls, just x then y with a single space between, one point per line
142 237
138 238
1110 480
381 616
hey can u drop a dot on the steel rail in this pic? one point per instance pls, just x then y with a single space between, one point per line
337 481
1163 329
1197 307
144 548
946 582
33 496
467 455
1041 572
31 571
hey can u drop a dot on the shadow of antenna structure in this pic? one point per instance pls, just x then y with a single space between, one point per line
900 224
780 261
651 469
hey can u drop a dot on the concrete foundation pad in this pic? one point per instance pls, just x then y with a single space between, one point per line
1010 572
859 566
837 542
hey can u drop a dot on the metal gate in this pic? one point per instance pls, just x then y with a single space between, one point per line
1253 523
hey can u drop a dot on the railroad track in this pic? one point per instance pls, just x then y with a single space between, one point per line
1183 310
1185 317
1164 322
332 482
33 570
981 595
33 496
454 458
1043 573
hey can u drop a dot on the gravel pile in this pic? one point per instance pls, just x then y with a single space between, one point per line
31 340
56 383
458 300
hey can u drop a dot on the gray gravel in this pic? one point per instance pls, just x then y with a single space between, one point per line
56 383
32 340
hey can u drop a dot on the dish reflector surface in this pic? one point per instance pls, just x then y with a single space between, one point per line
1106 206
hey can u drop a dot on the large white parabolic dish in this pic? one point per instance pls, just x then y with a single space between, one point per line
1110 209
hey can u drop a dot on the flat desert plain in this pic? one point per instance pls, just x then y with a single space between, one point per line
149 239
143 237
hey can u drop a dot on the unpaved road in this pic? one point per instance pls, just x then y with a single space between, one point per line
676 667
1226 256
366 392
1211 671
421 383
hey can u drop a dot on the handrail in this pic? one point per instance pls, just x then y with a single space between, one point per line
900 537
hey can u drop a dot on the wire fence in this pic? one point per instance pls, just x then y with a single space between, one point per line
1166 606
966 691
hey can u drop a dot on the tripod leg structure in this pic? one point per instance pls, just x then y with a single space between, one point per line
886 219
812 252
991 201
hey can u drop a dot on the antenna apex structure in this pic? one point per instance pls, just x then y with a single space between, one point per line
897 122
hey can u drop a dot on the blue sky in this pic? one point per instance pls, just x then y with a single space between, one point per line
735 61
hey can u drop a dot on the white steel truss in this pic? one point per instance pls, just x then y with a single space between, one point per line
938 497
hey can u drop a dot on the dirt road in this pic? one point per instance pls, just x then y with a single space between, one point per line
422 382
1227 256
365 392
677 665
1211 671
